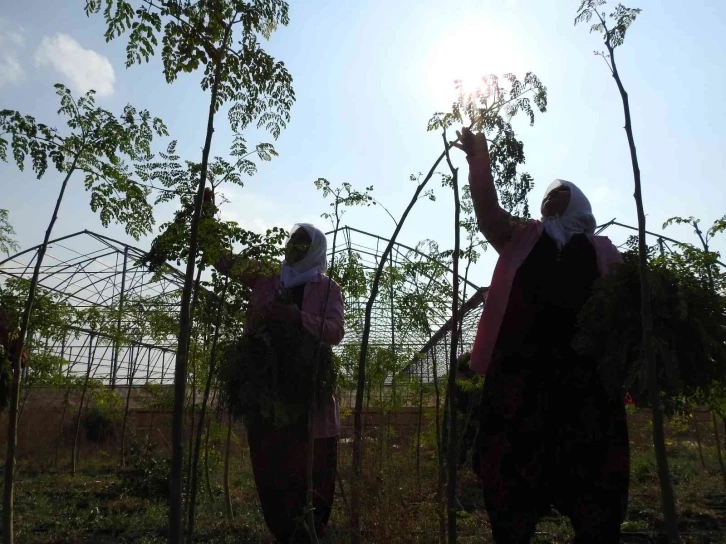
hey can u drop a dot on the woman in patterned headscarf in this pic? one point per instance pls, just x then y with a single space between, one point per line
278 453
549 432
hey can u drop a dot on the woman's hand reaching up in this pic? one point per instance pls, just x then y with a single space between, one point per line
470 143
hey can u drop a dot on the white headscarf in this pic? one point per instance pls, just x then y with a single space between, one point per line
577 218
315 261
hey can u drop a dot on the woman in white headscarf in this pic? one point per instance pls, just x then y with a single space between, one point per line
549 432
300 293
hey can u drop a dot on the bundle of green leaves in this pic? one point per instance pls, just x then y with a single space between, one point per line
268 372
689 329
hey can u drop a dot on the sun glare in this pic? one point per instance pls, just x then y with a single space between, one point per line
467 53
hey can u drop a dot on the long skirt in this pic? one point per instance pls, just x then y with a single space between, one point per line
278 464
549 435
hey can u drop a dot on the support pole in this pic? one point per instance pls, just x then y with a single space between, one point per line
163 365
63 354
114 366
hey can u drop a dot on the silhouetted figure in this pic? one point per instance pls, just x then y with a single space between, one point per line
278 453
549 432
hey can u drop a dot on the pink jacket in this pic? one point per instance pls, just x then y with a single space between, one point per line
327 418
510 259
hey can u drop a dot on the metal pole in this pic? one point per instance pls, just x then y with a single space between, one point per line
393 341
393 328
90 356
163 364
130 371
114 367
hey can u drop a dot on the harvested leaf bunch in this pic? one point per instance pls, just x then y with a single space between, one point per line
269 372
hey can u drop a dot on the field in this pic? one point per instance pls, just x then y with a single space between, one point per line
109 503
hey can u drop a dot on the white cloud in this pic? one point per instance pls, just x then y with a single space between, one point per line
11 41
84 68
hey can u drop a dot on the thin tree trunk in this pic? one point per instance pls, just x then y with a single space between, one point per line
192 419
176 506
24 387
381 425
418 434
194 482
60 427
698 440
369 386
445 418
445 422
467 422
74 453
723 418
310 450
453 356
392 407
462 313
439 455
151 427
26 394
206 447
360 390
227 450
718 448
12 439
193 393
66 403
646 311
206 462
126 407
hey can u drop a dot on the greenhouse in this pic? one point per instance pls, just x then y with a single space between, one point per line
87 270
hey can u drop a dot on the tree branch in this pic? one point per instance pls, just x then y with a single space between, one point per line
386 210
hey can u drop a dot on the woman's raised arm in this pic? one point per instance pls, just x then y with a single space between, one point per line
237 268
496 224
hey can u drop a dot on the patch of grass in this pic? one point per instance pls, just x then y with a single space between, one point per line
105 504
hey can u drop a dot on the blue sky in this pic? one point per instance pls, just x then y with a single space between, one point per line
368 75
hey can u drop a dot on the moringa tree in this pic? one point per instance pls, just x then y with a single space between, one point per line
705 264
343 196
490 109
689 331
96 145
220 37
613 28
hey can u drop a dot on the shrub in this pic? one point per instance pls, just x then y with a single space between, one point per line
147 473
98 425
99 422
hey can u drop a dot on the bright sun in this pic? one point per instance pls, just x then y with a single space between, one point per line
468 52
